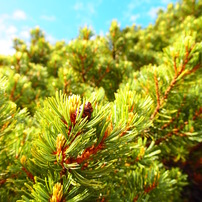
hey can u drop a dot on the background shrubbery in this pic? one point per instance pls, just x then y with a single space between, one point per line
132 133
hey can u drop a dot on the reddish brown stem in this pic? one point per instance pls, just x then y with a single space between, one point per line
29 175
13 91
104 74
193 70
88 152
175 66
135 198
66 83
2 182
17 97
169 135
150 187
83 70
171 121
174 81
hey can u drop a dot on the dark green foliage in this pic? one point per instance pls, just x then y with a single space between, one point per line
113 118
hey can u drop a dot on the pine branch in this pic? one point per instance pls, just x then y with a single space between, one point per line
157 97
2 182
66 83
83 73
20 94
174 80
175 131
175 67
193 70
176 117
103 75
29 175
171 120
197 114
13 91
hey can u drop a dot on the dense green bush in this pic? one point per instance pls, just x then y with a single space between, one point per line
113 118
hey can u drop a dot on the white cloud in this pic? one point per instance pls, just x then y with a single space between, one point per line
78 6
135 4
8 31
91 8
165 1
101 33
6 46
153 12
3 17
50 38
25 34
85 12
133 18
2 27
132 8
11 30
16 15
84 21
48 18
19 15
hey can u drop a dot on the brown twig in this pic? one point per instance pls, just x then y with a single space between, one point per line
176 117
150 187
83 73
29 175
197 114
13 91
175 66
17 97
147 189
193 70
88 152
66 83
171 120
174 80
2 182
175 131
103 75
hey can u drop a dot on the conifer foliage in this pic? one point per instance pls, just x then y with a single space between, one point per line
113 118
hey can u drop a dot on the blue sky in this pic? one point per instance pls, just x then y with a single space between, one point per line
61 20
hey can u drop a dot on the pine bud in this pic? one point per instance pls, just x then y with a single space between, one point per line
188 41
170 6
130 117
142 152
16 77
18 55
24 47
23 159
57 193
26 85
60 142
74 102
87 110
